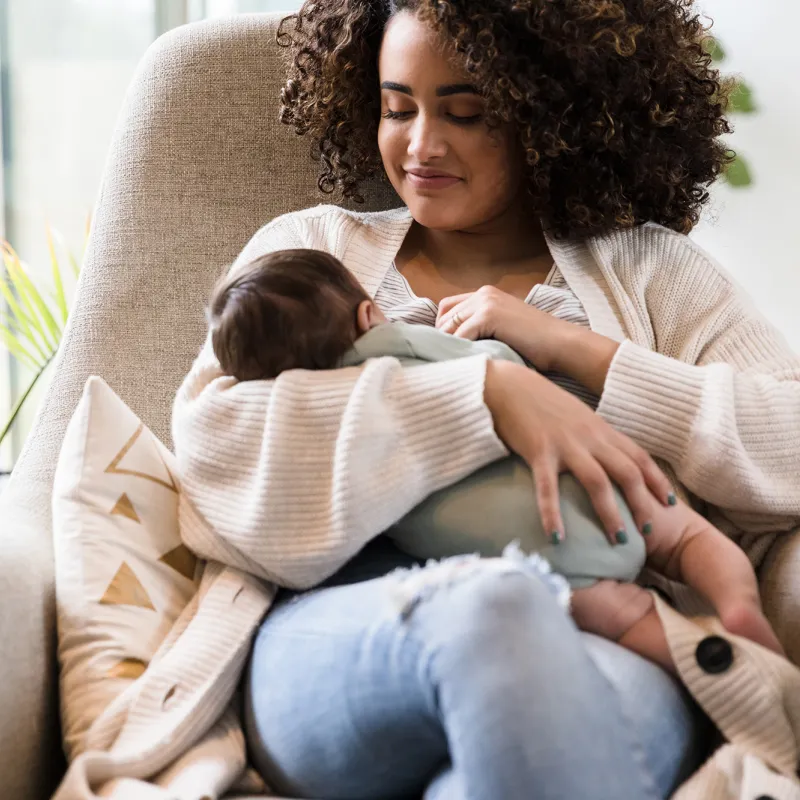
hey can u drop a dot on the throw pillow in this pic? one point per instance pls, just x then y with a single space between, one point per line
122 574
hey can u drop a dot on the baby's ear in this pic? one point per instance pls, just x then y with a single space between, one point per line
368 316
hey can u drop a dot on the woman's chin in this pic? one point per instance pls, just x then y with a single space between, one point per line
436 213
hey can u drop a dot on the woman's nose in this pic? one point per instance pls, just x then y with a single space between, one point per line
428 140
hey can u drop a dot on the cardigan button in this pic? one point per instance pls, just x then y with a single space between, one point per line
714 655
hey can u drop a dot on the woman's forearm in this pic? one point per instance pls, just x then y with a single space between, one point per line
733 437
299 473
585 356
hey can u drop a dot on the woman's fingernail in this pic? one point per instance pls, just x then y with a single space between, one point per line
621 537
555 537
647 528
671 499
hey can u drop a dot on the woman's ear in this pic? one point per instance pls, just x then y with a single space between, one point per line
368 315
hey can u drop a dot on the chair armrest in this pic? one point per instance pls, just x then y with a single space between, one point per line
780 591
31 759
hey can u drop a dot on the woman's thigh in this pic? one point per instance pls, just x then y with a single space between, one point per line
353 691
334 702
669 734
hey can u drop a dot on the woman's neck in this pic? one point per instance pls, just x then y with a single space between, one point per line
508 251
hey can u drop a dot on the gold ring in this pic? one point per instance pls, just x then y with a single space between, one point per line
457 319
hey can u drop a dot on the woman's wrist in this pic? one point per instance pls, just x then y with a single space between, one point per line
585 356
501 381
496 383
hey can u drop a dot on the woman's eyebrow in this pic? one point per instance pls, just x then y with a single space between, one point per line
441 91
456 88
396 87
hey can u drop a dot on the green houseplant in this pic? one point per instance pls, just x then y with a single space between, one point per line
740 101
33 313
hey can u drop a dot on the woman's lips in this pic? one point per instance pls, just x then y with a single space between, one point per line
431 180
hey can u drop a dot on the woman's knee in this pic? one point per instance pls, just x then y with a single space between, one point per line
477 605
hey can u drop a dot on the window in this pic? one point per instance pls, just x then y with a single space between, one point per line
66 65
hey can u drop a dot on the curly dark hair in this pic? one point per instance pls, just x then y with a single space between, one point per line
616 106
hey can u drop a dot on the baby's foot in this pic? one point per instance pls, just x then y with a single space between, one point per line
747 620
610 609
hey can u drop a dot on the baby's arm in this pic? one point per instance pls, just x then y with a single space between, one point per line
685 547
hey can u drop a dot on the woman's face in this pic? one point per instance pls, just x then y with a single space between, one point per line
451 171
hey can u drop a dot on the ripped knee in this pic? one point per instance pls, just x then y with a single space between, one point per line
413 586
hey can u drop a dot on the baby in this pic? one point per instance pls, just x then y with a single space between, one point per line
314 314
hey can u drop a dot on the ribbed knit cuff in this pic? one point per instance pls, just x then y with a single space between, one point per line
732 773
653 399
744 698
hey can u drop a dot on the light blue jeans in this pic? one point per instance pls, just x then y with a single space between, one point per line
449 685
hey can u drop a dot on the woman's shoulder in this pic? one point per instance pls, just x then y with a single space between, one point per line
365 241
673 282
651 250
330 227
650 259
346 234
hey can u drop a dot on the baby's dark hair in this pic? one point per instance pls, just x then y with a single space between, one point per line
291 309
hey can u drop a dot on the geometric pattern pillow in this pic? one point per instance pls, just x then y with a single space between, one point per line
122 574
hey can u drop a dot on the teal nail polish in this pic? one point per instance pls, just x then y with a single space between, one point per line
555 537
671 499
621 537
647 528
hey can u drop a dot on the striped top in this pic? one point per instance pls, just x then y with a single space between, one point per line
397 300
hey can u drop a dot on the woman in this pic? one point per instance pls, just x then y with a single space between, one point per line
516 134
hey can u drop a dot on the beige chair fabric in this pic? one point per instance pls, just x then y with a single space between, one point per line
197 164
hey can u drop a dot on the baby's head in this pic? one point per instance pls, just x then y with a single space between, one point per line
292 309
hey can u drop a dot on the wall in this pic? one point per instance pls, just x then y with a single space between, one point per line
755 232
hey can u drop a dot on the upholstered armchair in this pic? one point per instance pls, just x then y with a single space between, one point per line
198 162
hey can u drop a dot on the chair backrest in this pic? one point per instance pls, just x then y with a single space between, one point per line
198 163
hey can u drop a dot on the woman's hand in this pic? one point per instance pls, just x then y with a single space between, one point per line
555 432
550 344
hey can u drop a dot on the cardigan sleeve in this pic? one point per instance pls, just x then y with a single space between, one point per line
297 474
751 694
724 412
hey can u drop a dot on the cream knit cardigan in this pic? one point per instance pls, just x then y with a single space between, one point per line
286 480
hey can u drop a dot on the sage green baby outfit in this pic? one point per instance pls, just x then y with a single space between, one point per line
496 505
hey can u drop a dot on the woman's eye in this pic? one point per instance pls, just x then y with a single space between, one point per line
389 114
470 120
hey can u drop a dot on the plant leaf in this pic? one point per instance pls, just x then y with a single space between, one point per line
11 323
71 260
33 300
14 346
22 319
58 283
737 173
36 325
21 402
740 100
713 48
